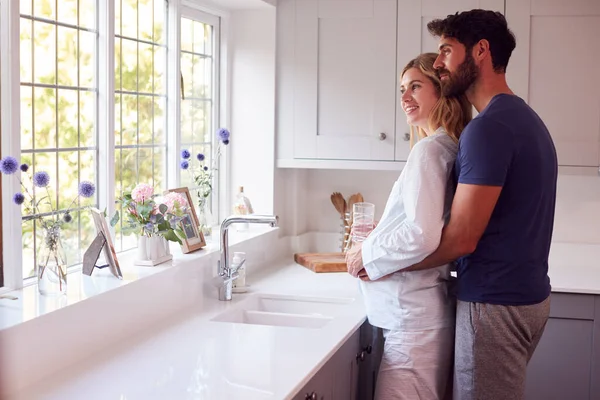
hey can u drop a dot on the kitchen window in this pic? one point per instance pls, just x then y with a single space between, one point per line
71 116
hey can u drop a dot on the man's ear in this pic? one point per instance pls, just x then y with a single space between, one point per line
481 49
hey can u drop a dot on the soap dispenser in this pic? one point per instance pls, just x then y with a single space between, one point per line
242 206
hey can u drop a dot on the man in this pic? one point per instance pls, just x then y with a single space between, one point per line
502 214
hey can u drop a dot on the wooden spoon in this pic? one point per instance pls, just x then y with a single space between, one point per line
339 203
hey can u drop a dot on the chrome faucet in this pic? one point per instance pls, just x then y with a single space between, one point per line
225 271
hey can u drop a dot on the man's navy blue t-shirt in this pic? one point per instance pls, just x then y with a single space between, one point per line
508 145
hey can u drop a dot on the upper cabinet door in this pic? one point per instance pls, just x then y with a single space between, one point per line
555 69
345 79
414 39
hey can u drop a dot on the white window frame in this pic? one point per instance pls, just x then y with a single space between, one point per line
10 111
209 19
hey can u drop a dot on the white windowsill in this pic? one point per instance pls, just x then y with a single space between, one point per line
30 304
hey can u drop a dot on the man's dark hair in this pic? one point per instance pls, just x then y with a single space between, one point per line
469 27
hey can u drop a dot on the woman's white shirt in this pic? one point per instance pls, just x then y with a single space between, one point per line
409 230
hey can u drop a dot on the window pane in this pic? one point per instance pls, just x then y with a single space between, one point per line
87 59
145 9
187 73
145 70
67 11
25 7
186 122
67 125
66 179
160 22
26 118
44 68
28 248
129 65
26 50
129 19
87 13
129 121
160 120
44 117
44 8
187 35
117 17
160 67
67 56
87 118
145 120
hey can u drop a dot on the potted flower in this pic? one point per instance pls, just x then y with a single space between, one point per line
203 176
51 266
154 219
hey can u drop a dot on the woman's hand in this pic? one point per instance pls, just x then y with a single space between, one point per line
354 261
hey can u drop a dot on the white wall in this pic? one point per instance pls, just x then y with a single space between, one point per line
252 151
307 207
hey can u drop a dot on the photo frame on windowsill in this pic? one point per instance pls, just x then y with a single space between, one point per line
190 225
102 242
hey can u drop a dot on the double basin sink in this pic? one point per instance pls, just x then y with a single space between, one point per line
283 310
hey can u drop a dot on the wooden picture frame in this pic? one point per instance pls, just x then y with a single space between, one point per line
190 225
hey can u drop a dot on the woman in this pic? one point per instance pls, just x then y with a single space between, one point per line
414 309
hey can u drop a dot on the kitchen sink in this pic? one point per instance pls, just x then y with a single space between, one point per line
281 310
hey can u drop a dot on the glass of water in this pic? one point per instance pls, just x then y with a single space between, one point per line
363 221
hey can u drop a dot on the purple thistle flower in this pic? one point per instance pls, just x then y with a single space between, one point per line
200 157
223 135
67 218
9 165
24 167
18 198
86 189
184 164
41 179
185 154
205 168
149 226
225 142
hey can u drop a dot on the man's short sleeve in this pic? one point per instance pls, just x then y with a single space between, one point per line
485 153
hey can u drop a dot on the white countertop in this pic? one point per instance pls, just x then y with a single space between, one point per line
574 268
191 357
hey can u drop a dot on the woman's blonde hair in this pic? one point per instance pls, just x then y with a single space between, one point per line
451 113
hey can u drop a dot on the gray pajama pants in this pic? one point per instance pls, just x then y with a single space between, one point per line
493 345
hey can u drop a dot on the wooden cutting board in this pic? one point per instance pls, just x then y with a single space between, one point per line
322 262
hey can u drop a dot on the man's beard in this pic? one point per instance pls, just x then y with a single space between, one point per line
457 83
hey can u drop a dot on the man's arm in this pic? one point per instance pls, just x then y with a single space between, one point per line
471 210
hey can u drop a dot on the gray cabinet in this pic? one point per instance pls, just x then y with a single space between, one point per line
566 363
350 373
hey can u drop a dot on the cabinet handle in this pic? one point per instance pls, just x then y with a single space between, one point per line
360 357
406 137
311 396
382 136
368 349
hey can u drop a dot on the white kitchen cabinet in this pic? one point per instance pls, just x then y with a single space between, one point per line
338 64
344 79
555 69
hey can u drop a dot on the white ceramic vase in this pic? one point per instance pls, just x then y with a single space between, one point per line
152 250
